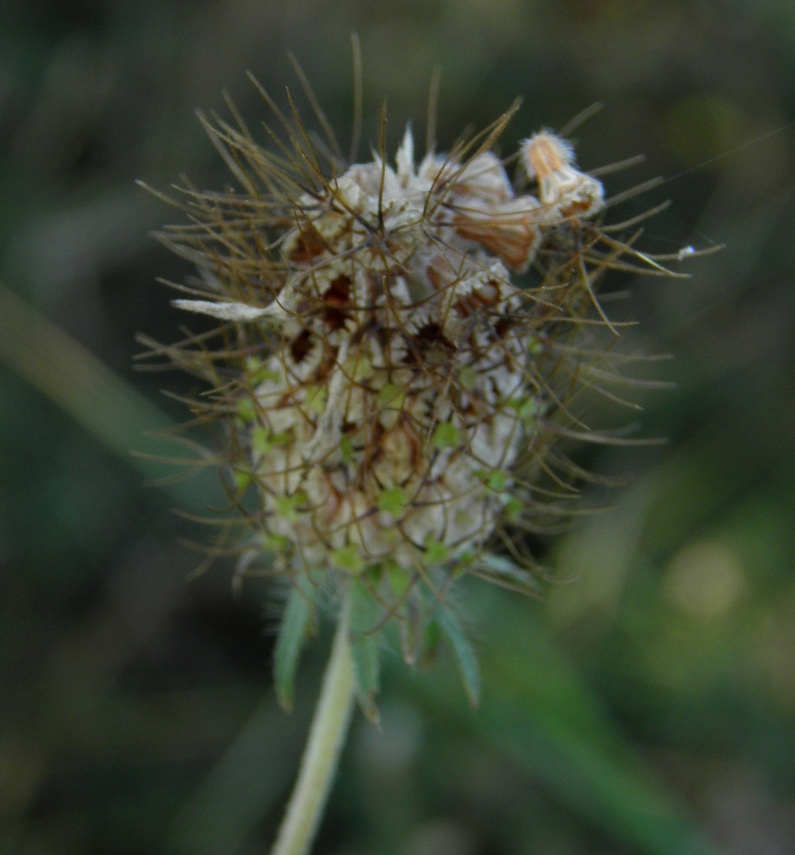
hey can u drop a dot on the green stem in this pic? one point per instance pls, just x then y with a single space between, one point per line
326 737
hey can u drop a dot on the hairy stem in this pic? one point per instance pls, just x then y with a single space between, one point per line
326 737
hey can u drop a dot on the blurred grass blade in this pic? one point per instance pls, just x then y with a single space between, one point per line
246 781
538 712
80 384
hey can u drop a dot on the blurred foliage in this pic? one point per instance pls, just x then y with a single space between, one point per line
649 704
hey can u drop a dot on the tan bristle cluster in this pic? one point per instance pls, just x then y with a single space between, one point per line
564 190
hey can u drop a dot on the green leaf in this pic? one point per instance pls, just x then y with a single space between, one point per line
431 636
413 623
464 654
295 628
365 618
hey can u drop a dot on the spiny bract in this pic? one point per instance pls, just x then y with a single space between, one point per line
390 390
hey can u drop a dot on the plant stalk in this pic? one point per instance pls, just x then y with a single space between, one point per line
326 738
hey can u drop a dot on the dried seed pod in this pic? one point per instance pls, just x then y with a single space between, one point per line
563 189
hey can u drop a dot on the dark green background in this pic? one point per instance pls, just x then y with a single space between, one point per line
647 706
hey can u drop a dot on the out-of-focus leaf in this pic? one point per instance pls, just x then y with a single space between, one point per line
365 618
537 711
464 654
294 629
96 398
228 804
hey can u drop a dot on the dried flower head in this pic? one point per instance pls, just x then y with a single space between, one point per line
390 394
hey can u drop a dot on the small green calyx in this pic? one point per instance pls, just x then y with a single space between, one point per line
258 372
243 479
348 558
316 398
263 440
245 410
527 408
393 501
468 377
346 448
446 435
400 579
497 481
288 507
391 397
436 552
513 509
275 543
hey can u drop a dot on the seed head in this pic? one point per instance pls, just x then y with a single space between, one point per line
390 393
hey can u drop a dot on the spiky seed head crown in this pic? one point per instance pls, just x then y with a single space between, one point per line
390 394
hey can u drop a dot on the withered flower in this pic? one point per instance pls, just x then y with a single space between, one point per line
398 355
391 391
